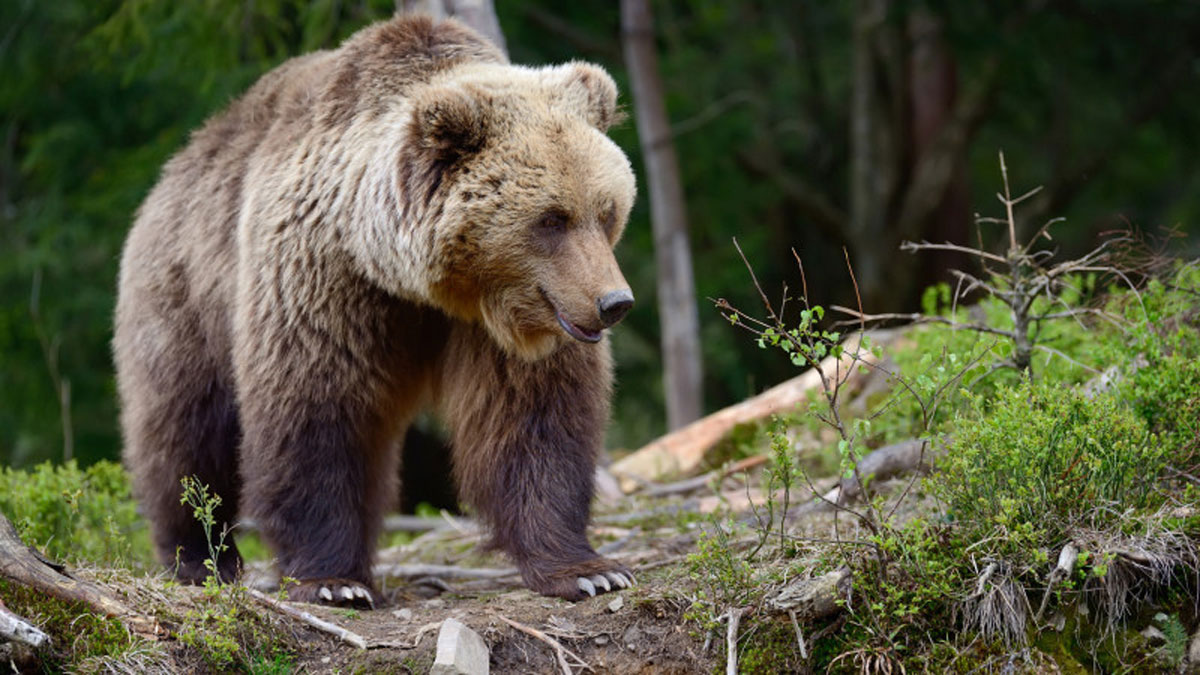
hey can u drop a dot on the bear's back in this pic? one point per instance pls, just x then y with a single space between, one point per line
321 92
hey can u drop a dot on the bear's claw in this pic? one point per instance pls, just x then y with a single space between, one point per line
606 580
334 592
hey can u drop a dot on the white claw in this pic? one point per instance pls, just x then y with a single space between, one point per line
347 594
325 594
362 594
586 586
618 579
601 580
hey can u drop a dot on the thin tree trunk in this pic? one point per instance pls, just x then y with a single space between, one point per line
478 14
676 291
873 153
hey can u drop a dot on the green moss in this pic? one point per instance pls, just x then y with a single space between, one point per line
76 632
767 647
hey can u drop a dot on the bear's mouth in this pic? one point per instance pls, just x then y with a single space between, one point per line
570 327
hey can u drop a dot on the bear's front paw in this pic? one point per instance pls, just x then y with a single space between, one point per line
333 592
579 580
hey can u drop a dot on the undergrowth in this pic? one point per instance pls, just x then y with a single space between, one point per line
1061 413
75 514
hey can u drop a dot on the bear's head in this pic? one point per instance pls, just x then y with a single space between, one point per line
510 171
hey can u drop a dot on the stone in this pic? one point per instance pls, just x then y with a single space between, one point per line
616 605
403 614
460 651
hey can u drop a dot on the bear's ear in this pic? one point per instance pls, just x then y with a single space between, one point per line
450 123
587 90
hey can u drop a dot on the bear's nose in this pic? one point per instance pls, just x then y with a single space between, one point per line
614 305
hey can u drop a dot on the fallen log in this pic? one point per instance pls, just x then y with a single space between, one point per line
886 462
14 628
23 565
682 451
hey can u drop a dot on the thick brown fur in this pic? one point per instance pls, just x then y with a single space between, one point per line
404 223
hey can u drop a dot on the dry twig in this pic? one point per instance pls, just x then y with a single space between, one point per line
347 636
560 652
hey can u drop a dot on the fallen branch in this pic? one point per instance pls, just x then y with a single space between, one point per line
681 452
27 567
442 572
14 628
877 465
347 636
703 481
560 652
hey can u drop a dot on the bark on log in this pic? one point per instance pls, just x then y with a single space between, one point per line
23 565
816 598
681 452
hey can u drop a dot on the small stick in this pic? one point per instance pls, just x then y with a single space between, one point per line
799 635
560 652
1066 565
322 625
16 629
731 637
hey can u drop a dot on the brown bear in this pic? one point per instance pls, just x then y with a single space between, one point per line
407 222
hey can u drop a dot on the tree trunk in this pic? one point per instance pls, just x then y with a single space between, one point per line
676 292
478 14
874 151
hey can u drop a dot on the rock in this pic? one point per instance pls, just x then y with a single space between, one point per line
436 603
1154 635
631 637
616 605
460 651
403 614
600 640
1193 657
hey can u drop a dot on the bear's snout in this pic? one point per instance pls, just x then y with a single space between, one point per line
614 305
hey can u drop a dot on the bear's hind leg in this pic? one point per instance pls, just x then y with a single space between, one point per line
179 421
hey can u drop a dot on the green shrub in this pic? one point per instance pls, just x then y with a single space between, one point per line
75 514
1036 454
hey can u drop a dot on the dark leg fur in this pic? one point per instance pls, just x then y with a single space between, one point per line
322 411
526 439
315 490
181 424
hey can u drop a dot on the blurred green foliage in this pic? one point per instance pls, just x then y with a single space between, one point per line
75 514
96 95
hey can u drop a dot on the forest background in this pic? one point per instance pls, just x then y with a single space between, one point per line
817 126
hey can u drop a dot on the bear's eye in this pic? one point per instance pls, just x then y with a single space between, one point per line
609 221
553 222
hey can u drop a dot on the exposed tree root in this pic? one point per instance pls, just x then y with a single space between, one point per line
23 565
